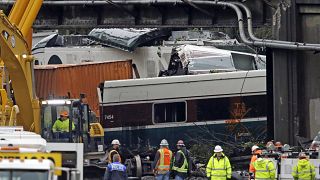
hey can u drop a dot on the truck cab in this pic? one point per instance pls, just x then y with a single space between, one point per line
82 127
82 141
35 169
24 155
78 115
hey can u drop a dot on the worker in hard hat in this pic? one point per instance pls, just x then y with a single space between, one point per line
255 150
304 169
270 146
114 150
278 146
264 168
62 124
162 161
115 170
218 167
269 143
181 161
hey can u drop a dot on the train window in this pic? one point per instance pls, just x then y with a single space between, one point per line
231 108
256 105
213 109
169 112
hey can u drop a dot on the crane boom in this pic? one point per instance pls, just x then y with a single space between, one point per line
16 13
16 56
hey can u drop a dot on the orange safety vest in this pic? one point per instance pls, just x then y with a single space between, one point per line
164 160
253 159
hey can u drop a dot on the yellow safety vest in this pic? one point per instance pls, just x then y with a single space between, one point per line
219 169
184 167
304 170
62 125
264 169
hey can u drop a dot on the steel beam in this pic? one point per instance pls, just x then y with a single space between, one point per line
79 14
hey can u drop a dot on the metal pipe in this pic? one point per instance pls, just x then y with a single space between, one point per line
253 37
294 46
270 43
258 43
249 21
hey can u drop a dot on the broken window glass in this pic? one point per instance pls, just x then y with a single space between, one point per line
232 108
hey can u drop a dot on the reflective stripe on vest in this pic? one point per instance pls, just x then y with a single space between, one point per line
220 171
304 174
110 160
184 167
263 174
164 161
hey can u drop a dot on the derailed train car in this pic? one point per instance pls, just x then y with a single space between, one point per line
141 112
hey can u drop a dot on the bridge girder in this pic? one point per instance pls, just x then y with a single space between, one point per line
103 15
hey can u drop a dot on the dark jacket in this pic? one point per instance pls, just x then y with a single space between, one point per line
156 159
178 161
115 171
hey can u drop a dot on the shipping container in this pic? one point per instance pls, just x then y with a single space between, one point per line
54 81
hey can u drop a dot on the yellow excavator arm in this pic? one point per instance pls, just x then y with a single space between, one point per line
16 56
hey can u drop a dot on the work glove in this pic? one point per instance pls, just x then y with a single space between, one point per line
154 172
251 175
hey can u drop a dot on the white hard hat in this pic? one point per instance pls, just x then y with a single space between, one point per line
218 149
164 142
255 147
115 142
260 159
302 154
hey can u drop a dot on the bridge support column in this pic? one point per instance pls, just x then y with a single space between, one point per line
296 75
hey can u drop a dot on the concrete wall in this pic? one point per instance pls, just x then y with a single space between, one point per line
309 73
284 81
296 75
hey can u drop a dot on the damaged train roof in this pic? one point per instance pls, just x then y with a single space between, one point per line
127 39
202 58
190 59
124 39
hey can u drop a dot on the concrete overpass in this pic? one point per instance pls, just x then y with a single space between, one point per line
88 14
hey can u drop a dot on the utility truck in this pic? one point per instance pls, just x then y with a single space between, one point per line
24 156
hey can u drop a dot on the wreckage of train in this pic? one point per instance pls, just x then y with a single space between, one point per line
141 112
